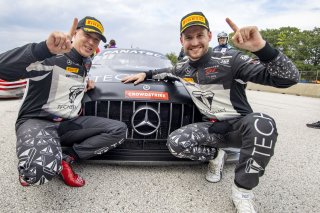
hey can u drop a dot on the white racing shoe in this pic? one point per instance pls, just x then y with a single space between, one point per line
215 167
243 200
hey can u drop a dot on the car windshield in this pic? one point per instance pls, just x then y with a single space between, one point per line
131 59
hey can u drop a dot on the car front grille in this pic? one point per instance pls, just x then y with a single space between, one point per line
152 120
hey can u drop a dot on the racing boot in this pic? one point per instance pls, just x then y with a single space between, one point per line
23 182
315 125
243 200
215 167
69 177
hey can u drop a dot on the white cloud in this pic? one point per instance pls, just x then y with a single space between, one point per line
151 24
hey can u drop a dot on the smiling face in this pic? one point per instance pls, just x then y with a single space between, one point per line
195 41
86 43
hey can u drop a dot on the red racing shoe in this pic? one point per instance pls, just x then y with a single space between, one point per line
69 177
23 182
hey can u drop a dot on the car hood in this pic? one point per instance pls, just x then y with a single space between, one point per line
108 86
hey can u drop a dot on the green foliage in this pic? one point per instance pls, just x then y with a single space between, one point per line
172 57
302 47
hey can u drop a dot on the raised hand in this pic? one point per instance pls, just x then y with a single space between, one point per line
59 42
247 38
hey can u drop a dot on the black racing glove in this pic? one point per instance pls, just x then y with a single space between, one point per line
171 78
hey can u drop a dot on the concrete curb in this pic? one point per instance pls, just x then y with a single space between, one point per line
300 89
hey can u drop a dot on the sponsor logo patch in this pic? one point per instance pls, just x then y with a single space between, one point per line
90 22
151 95
74 92
244 57
73 76
192 18
224 61
189 80
188 71
72 69
254 61
210 70
69 62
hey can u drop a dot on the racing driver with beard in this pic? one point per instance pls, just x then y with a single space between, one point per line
216 83
57 70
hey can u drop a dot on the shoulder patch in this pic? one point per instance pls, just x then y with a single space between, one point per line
189 80
244 57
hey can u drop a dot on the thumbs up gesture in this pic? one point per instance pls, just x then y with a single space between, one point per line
59 42
247 38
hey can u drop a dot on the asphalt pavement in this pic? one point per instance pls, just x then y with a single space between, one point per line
290 184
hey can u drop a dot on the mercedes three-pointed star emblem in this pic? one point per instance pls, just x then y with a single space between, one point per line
145 120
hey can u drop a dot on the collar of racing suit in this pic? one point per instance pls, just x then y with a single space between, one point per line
203 60
75 56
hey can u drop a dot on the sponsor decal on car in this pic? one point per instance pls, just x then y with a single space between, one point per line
151 95
130 51
72 69
146 87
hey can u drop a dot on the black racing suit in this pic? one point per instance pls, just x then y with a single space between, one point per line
216 84
49 115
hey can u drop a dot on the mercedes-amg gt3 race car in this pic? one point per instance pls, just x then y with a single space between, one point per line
151 110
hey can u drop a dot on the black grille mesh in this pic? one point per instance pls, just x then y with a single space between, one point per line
173 116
